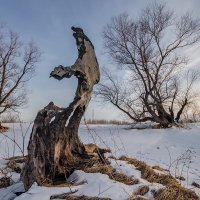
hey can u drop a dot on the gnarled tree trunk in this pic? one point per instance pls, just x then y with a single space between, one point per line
54 149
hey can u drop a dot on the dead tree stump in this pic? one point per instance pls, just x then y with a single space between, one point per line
54 149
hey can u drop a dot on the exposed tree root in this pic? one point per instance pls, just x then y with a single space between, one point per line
17 159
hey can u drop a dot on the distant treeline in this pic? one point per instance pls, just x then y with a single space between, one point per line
10 119
103 121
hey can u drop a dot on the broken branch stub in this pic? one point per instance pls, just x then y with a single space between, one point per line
54 149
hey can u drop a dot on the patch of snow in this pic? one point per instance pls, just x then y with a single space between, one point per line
176 149
36 192
9 192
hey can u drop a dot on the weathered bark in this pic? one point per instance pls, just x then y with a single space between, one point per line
54 149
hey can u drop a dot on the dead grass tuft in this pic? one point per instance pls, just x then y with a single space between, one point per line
137 198
181 178
195 185
12 164
17 159
5 182
3 129
173 189
149 174
70 196
142 190
49 183
175 192
111 172
159 168
120 177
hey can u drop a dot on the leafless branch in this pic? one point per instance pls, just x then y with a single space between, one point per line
154 60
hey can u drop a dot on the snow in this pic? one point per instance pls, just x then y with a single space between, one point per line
9 192
175 149
36 192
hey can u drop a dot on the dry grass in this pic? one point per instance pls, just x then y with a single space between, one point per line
137 198
70 196
173 189
62 183
195 185
12 164
139 193
83 197
181 178
3 129
111 172
175 192
17 159
149 174
142 190
67 184
5 182
159 168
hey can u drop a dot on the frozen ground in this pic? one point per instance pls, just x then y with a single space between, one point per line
175 149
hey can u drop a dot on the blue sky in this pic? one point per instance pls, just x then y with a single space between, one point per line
48 23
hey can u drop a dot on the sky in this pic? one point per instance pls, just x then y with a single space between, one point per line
48 23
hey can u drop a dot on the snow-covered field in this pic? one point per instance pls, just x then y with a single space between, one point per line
175 149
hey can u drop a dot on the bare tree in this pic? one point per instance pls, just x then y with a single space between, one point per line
17 64
150 49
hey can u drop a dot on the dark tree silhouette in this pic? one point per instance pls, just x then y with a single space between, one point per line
17 65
